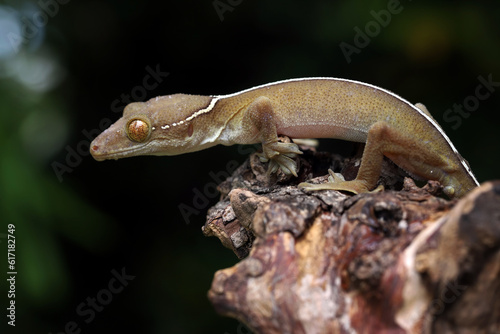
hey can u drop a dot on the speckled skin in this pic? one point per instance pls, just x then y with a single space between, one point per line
322 108
300 108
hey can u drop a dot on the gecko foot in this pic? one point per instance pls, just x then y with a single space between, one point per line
337 182
280 156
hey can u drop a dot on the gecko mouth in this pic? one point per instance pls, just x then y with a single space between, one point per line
101 153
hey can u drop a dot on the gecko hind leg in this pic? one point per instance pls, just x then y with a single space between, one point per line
381 139
336 181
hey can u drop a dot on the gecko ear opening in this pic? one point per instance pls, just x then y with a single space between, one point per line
138 130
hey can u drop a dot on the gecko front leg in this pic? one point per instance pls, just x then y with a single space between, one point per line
261 116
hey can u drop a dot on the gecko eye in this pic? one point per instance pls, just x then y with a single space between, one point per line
137 130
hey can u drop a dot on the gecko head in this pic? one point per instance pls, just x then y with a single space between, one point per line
164 125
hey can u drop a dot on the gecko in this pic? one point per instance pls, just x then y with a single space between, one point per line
318 107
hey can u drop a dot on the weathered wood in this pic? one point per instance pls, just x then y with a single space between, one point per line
401 261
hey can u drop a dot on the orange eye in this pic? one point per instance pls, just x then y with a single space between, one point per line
138 130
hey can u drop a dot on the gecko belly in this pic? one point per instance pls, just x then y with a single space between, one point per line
323 131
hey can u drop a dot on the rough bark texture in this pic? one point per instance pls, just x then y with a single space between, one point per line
398 261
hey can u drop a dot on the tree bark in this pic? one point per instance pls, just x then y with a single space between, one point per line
399 261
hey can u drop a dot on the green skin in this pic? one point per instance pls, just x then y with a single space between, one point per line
300 108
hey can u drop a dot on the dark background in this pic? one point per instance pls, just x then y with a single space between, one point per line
76 220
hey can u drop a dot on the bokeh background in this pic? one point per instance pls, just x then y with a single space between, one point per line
66 70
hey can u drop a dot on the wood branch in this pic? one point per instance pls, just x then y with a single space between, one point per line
398 261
